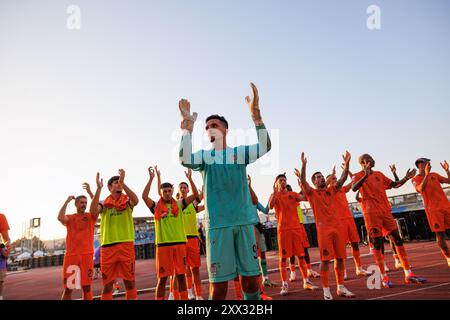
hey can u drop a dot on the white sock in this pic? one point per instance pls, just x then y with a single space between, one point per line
305 281
190 291
340 287
285 283
408 272
327 291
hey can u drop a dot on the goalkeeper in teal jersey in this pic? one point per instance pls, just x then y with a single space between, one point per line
229 212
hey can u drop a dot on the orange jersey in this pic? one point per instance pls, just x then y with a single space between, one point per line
80 234
373 192
434 197
324 205
342 203
286 204
3 223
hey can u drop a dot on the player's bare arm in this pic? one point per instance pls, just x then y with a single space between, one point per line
62 212
424 183
346 157
94 209
409 175
145 194
133 197
87 187
195 195
358 184
273 195
445 166
252 192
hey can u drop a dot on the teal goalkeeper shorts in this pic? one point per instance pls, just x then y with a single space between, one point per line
231 251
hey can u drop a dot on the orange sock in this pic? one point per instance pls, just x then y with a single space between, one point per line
357 257
303 268
325 278
339 276
283 270
198 289
379 260
189 282
183 295
238 289
106 296
87 295
131 294
403 257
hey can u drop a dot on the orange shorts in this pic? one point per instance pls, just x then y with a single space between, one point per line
290 243
170 259
305 240
377 221
117 261
77 270
350 232
331 243
439 220
193 253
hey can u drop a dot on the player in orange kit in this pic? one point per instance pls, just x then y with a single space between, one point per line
348 223
323 201
437 206
290 237
377 214
78 263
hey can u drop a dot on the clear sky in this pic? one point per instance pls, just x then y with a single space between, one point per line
74 102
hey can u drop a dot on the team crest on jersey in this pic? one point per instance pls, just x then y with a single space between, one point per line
85 219
325 252
161 270
213 268
378 179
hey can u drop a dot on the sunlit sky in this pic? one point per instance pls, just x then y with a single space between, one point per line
74 102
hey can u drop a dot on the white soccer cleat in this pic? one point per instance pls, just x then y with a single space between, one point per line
191 295
200 298
308 285
360 272
386 268
284 289
344 292
293 276
313 274
345 275
327 294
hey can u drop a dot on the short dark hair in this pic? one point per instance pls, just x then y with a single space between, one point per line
281 175
185 183
329 176
217 117
80 197
314 175
166 185
362 157
288 186
112 179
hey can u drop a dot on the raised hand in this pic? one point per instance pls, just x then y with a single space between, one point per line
297 173
393 168
188 174
333 172
253 104
410 173
444 165
87 187
275 188
99 181
121 177
151 172
249 180
427 168
346 157
304 160
366 168
187 119
70 198
158 173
